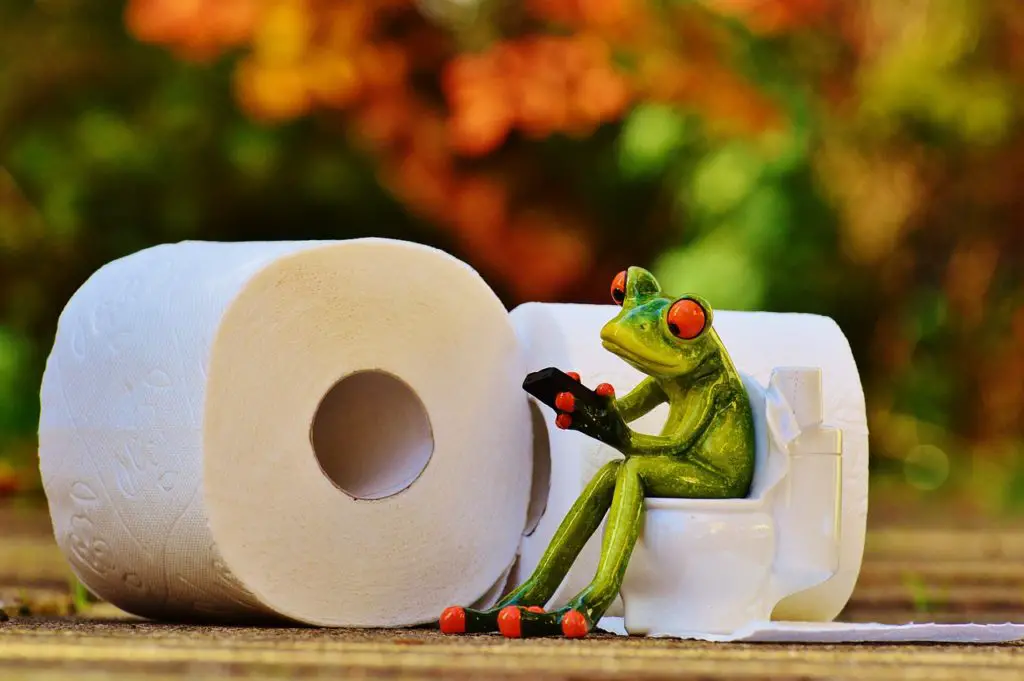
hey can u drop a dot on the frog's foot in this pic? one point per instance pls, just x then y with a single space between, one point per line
459 620
517 622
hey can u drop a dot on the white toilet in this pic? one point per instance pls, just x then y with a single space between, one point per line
714 566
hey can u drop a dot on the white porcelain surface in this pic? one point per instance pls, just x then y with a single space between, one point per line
716 566
700 571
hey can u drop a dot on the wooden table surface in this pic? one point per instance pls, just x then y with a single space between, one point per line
913 571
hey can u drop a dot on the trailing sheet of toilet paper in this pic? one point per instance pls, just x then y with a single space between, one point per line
331 433
845 632
568 337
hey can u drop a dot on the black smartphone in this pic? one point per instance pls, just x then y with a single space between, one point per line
546 384
590 415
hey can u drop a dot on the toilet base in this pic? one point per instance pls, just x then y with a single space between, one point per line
702 572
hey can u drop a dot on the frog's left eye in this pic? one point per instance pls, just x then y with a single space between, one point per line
619 288
686 319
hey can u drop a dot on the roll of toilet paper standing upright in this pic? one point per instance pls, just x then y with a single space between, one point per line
568 337
332 433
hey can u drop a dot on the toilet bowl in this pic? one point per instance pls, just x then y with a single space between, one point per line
715 565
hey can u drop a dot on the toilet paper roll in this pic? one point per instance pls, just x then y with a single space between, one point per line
333 433
568 337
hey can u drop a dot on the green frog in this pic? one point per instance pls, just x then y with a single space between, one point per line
704 451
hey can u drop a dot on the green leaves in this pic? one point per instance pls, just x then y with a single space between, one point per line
934 75
17 410
106 139
718 267
723 180
254 152
651 137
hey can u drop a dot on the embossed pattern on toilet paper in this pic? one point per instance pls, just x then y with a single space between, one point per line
140 414
124 419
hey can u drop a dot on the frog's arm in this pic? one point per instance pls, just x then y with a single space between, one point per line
642 399
685 428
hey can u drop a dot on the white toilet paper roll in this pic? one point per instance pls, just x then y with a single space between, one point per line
329 432
567 337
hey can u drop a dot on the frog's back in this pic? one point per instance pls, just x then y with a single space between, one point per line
730 442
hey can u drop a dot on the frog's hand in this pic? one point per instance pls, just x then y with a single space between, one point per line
603 423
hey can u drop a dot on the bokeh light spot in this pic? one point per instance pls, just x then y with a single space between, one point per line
926 467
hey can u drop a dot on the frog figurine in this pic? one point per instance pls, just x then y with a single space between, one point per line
705 451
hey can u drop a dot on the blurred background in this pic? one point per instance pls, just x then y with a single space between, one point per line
861 159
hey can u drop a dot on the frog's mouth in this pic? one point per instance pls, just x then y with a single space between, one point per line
639 361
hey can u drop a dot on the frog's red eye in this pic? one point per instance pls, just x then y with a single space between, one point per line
686 319
619 288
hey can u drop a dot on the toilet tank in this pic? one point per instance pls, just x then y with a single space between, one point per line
808 502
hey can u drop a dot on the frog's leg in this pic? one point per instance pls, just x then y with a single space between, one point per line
659 476
579 524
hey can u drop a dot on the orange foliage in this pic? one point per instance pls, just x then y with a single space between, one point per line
775 16
309 55
541 85
195 29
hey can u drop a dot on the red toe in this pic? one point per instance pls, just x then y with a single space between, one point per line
453 620
563 421
574 624
605 390
565 402
509 622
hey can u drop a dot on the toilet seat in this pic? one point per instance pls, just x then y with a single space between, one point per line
768 471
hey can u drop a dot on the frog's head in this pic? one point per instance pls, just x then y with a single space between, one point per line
662 336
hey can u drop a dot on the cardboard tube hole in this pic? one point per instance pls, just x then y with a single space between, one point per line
371 435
